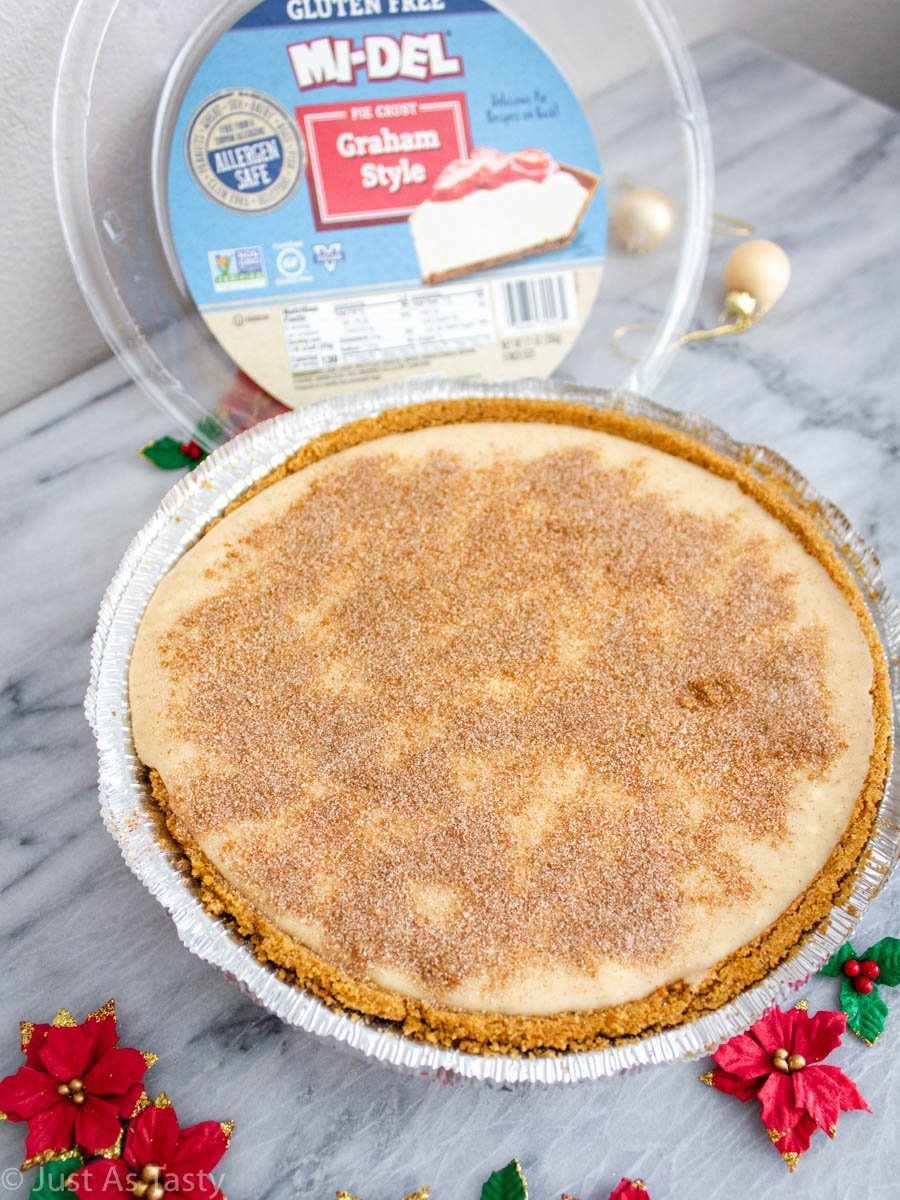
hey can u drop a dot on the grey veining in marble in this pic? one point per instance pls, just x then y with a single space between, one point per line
814 166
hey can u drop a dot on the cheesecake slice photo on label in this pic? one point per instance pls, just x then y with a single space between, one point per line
494 208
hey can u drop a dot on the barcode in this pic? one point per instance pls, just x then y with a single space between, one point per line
537 302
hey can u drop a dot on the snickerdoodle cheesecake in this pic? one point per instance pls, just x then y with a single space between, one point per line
523 725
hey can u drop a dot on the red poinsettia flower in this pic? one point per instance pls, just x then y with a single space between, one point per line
779 1062
75 1086
159 1160
630 1189
626 1189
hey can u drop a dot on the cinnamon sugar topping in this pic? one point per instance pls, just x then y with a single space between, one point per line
456 717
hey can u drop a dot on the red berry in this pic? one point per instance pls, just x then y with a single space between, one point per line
851 968
191 450
870 969
863 985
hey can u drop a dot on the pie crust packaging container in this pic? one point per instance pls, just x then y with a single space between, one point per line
168 143
226 206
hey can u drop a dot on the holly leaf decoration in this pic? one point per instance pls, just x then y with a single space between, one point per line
508 1184
50 1183
210 429
835 964
866 1015
887 954
866 1011
166 453
850 999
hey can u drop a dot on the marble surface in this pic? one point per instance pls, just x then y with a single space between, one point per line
815 167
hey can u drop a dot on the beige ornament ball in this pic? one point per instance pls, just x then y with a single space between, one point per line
760 268
641 219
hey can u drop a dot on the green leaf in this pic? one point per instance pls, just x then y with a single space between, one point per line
50 1183
209 429
166 453
508 1184
850 999
870 1017
835 964
887 954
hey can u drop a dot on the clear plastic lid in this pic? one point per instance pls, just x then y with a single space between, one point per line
125 70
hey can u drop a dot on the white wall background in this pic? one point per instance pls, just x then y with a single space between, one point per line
46 332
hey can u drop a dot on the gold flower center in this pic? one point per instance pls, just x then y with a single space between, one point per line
74 1089
786 1063
150 1185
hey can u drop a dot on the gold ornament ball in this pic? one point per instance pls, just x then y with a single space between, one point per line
156 1191
642 219
760 268
796 1062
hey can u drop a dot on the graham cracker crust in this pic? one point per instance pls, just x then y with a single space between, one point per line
668 1006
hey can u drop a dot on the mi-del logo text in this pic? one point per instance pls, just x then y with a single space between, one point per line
327 60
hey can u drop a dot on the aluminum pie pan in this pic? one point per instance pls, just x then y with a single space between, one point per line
132 817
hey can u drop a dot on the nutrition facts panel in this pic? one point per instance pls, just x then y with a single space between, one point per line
389 325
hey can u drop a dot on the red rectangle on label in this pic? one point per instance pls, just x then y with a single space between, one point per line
376 161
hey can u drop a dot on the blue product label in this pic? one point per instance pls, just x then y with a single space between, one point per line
361 190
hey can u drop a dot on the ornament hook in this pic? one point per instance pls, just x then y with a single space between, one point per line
756 276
